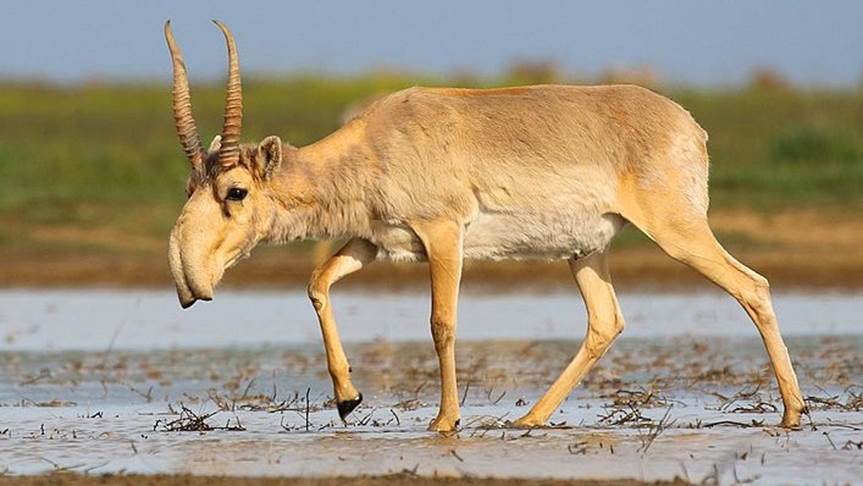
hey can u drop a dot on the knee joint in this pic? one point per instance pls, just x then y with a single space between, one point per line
443 332
762 287
602 333
758 297
318 293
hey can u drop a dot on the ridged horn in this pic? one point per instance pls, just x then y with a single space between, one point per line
187 131
229 153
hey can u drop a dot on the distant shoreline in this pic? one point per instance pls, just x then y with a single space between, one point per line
631 268
803 249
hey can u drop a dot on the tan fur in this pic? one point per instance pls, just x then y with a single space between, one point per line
443 174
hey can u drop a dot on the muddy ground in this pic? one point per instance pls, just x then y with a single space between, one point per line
125 383
67 479
700 409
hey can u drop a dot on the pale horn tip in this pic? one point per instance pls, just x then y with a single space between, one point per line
169 34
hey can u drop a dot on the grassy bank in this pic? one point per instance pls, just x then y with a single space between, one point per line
96 169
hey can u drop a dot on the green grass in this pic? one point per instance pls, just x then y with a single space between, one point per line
107 155
782 149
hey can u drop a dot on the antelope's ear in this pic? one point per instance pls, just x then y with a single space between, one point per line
215 145
269 156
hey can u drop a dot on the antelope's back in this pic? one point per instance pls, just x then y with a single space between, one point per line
544 135
533 171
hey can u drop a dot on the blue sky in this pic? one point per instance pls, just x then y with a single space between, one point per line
720 42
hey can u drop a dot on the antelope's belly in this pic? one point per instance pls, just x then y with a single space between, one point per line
511 236
518 237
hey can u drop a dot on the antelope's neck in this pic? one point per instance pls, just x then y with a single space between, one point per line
324 189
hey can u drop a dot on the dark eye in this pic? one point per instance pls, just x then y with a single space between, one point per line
236 194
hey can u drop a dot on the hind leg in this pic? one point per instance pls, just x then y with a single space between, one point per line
604 323
693 243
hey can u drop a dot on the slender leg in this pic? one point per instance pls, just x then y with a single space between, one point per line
695 245
604 323
350 258
443 245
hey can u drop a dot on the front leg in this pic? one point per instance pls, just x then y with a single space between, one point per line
350 258
443 246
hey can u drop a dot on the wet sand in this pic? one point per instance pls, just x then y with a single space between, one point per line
663 404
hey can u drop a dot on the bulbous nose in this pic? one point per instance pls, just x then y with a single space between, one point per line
193 282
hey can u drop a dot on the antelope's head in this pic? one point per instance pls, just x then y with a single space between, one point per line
230 205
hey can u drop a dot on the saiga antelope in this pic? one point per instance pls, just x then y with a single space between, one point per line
444 174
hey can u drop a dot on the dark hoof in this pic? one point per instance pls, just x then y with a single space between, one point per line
348 406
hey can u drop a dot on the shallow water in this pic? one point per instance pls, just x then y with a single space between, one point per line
89 380
95 320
